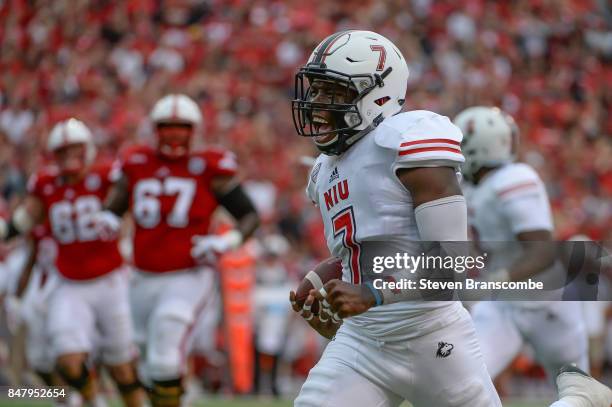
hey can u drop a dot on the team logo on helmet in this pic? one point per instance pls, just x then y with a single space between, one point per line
469 130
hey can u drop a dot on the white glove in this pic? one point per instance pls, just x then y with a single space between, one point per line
208 247
107 225
13 310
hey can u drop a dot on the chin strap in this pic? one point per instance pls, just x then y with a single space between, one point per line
360 133
344 142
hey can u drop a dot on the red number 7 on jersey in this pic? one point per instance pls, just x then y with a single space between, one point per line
344 224
381 56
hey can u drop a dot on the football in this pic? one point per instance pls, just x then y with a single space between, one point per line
325 271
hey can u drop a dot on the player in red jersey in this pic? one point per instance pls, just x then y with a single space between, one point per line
90 304
172 192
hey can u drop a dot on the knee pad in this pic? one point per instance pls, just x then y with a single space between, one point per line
127 388
78 382
47 378
166 393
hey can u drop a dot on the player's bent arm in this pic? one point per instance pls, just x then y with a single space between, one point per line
539 254
440 208
440 214
429 183
528 212
118 198
108 221
27 215
231 196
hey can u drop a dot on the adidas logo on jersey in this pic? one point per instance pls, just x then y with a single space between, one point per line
334 175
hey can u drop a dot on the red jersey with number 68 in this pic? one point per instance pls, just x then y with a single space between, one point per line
70 212
171 201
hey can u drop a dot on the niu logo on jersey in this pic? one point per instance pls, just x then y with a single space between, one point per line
339 192
444 349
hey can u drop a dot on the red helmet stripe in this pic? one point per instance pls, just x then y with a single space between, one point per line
326 46
175 107
64 133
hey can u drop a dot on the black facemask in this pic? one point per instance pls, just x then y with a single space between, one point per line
303 108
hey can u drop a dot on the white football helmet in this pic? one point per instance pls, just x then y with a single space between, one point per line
490 138
363 63
176 108
72 131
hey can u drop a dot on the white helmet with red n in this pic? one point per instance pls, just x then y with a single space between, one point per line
68 133
490 138
175 111
370 68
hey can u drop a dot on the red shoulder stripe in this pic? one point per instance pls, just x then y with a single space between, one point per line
524 185
429 141
426 149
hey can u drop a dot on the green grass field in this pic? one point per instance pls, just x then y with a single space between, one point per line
233 403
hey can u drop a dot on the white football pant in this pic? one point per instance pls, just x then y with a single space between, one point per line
443 368
555 331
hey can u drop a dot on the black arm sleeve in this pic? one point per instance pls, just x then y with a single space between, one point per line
12 231
237 202
118 200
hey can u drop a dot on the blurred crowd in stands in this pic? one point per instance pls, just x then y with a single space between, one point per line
546 62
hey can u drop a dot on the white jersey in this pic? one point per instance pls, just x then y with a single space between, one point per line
362 201
44 278
508 201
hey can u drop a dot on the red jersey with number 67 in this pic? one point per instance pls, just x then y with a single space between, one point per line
171 201
70 212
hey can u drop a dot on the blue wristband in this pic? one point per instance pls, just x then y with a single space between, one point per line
375 292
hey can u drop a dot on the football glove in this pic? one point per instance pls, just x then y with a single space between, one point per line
208 247
107 225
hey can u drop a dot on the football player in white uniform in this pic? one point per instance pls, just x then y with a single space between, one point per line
38 279
511 219
387 178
